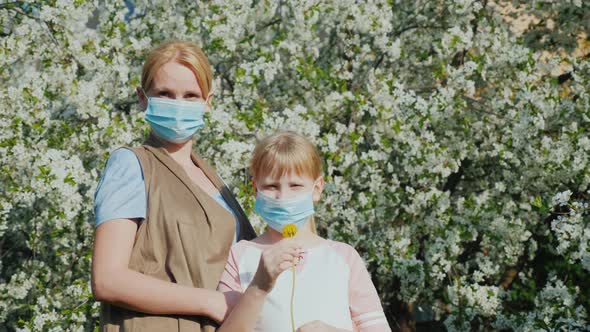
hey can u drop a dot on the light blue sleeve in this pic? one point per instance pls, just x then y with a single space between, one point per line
219 198
121 190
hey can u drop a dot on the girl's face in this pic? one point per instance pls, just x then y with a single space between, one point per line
173 81
289 185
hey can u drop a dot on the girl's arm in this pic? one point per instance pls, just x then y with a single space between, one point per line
273 261
114 282
319 326
365 306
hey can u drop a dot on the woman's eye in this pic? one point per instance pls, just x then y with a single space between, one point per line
192 96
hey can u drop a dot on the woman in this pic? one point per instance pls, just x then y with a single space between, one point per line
164 219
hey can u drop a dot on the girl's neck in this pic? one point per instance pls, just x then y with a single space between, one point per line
305 236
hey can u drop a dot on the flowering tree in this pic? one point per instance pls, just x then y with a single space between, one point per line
456 151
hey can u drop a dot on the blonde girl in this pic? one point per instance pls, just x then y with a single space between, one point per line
333 292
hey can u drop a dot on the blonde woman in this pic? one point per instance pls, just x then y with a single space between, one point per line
333 291
164 219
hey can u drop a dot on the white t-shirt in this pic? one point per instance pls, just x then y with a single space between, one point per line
332 285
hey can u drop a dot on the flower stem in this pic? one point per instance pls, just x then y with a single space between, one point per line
292 298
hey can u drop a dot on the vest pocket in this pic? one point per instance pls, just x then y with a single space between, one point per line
191 246
147 323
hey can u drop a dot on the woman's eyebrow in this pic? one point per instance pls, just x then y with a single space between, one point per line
158 90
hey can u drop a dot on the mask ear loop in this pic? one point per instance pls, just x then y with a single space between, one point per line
144 94
207 104
147 99
208 97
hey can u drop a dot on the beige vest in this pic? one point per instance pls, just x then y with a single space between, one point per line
185 239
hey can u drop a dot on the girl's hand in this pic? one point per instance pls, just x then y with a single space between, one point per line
317 326
281 256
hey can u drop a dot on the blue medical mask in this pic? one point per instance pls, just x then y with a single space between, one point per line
278 213
175 120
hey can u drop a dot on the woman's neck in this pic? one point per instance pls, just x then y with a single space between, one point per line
180 152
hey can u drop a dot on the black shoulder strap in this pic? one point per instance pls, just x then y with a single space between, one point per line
246 230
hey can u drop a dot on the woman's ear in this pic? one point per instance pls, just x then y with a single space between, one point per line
254 187
142 98
318 188
208 101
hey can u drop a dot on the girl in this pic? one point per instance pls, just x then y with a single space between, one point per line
333 290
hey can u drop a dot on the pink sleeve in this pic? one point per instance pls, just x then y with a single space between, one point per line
365 305
230 278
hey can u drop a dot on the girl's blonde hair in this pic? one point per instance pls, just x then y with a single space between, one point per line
286 152
185 53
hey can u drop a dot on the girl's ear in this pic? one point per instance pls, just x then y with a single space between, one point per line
318 187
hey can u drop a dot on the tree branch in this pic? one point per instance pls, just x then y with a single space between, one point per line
10 5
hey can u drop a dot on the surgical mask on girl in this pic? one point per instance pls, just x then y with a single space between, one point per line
278 213
175 120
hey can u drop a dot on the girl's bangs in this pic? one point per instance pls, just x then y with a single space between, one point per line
279 164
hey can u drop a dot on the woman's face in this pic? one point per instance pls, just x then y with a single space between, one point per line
173 81
290 185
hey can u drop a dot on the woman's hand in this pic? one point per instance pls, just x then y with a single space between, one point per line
317 326
281 256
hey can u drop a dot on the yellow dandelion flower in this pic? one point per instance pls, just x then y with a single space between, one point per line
289 230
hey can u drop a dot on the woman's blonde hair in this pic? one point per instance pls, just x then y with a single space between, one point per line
185 53
286 152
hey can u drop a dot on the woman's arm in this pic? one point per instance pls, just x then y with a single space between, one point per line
244 315
114 282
